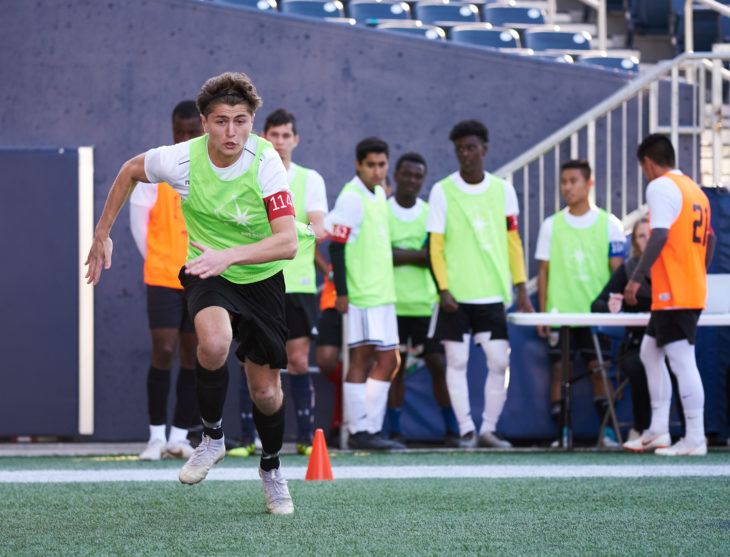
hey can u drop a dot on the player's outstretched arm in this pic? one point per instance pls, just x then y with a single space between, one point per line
100 254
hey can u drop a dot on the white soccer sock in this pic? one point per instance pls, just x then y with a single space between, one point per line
157 432
681 356
177 435
377 401
457 357
660 387
355 403
495 389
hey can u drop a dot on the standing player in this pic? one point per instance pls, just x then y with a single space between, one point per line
578 248
677 254
362 264
158 228
240 220
415 293
474 245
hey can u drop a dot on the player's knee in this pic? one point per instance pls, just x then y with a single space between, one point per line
298 365
267 398
213 353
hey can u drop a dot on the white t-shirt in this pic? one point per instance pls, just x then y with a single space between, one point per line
665 201
616 236
315 198
142 200
437 200
406 214
348 210
171 164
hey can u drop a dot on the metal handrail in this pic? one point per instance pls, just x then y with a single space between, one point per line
598 5
689 41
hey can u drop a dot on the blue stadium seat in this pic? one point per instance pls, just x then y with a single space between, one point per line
484 34
372 12
504 15
625 63
650 17
433 13
706 26
321 9
431 32
256 4
539 40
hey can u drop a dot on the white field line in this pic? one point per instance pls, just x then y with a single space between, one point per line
371 472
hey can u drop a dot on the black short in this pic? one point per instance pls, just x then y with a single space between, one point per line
259 320
581 342
329 328
471 318
670 325
301 314
167 309
415 330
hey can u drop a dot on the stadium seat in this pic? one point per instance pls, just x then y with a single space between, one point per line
255 4
434 13
504 15
369 12
321 9
650 17
706 26
431 32
625 63
484 34
539 40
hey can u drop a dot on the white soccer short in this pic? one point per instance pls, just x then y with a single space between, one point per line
377 325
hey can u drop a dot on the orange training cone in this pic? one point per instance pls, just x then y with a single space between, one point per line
319 467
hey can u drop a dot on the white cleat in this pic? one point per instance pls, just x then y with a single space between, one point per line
492 440
683 447
154 450
181 449
648 442
278 500
209 452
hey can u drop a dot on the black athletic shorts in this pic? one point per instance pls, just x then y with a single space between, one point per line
670 325
259 320
581 342
471 318
167 309
415 330
301 314
329 328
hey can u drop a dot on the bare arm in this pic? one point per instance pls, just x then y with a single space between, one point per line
316 219
410 257
320 262
542 282
100 254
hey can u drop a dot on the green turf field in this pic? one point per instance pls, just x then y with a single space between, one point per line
597 515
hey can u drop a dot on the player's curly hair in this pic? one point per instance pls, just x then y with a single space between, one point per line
228 88
469 127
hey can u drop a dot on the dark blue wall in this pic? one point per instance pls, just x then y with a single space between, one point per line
107 74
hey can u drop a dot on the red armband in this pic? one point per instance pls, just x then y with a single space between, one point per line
279 205
340 233
512 223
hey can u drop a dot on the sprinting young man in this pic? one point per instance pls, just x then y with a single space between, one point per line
678 253
310 202
158 228
241 228
474 247
362 265
415 294
578 248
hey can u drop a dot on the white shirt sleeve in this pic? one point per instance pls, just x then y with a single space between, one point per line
436 221
616 237
665 202
511 206
171 164
272 174
348 211
142 200
315 199
542 251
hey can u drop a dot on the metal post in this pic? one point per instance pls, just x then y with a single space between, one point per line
689 41
674 110
344 425
716 122
602 25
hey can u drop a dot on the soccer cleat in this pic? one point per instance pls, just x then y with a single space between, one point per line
684 447
451 439
648 442
243 450
304 448
609 439
154 450
372 441
492 440
181 449
398 437
468 440
278 500
209 452
633 434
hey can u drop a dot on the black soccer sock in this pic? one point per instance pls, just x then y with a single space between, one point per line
271 433
158 388
303 394
211 387
186 406
601 405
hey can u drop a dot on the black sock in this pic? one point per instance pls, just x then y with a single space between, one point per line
158 388
555 413
186 406
271 433
211 387
601 405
